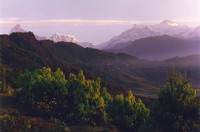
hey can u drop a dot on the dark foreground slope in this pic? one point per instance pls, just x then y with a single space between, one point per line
20 51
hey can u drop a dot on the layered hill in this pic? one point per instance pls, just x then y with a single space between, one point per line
160 47
22 51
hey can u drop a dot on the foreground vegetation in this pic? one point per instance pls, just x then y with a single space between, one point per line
76 101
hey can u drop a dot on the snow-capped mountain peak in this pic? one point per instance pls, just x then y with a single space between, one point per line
193 33
168 23
136 32
17 28
57 37
166 27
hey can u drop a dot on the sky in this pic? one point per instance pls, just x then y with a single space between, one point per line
93 21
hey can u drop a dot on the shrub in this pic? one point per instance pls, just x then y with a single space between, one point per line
15 122
177 108
4 88
44 89
59 126
127 112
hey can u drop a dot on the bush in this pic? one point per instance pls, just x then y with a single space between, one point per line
86 100
78 100
6 89
59 126
44 89
15 122
177 108
128 113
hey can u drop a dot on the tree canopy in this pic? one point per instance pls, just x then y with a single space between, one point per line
78 100
177 108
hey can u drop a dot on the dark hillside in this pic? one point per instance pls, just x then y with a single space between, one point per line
22 51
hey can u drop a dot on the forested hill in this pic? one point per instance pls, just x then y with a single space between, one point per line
21 51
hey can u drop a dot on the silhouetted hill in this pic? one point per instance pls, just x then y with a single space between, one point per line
22 51
160 47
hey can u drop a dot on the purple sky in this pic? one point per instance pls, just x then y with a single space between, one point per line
93 21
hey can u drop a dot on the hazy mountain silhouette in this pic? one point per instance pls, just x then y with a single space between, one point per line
160 47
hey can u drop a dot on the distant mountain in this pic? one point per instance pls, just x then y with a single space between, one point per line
193 33
168 23
57 37
127 37
160 47
18 28
166 27
192 60
119 72
63 38
86 44
40 38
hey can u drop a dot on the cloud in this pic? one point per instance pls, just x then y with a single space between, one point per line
79 22
69 22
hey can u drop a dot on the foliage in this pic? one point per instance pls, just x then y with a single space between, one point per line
127 112
15 122
59 126
5 79
6 89
78 100
177 107
44 89
86 101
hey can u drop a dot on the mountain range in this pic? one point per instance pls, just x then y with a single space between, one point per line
156 42
167 38
118 71
160 47
166 27
57 37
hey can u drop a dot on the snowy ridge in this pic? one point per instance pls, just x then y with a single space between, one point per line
193 33
168 23
63 38
57 37
166 27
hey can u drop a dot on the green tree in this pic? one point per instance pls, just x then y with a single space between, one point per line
177 106
7 76
127 112
44 89
78 100
85 99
